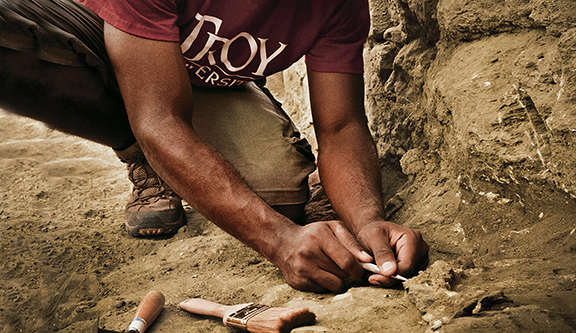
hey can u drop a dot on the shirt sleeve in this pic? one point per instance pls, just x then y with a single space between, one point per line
339 47
154 19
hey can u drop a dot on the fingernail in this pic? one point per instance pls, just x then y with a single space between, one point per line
386 267
366 253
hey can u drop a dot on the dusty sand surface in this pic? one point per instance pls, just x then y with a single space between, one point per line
498 262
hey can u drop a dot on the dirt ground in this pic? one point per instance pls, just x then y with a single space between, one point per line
502 258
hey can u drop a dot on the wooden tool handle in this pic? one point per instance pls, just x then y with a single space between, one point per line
147 311
208 308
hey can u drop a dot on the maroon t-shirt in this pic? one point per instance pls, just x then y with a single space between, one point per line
228 42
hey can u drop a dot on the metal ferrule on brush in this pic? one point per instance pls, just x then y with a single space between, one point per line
239 318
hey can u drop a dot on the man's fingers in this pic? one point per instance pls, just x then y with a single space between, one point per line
383 254
381 280
329 281
411 249
341 256
318 279
349 241
386 261
405 266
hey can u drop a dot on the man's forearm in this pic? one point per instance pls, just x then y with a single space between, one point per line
202 177
347 160
350 173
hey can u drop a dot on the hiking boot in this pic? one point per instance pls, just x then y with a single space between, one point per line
153 208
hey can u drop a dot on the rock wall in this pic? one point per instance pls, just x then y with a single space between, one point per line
484 89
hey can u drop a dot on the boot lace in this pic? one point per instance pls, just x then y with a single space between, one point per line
148 186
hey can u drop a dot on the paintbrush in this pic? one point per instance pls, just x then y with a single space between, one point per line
252 317
374 269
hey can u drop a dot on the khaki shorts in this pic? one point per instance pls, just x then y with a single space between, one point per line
245 124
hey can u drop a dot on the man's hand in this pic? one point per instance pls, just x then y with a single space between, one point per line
316 257
397 250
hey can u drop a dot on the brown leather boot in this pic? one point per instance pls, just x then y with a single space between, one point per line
154 208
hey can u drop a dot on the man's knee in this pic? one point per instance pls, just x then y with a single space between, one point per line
71 99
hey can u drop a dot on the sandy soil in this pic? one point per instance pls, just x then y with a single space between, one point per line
500 261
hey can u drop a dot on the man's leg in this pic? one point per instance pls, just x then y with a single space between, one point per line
256 136
53 68
74 100
70 99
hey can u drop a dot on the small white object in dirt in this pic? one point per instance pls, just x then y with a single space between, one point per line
374 269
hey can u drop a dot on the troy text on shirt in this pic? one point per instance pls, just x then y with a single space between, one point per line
221 72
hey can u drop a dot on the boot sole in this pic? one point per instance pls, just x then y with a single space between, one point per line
135 221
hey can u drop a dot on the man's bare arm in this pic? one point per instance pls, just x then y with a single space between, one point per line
350 173
158 99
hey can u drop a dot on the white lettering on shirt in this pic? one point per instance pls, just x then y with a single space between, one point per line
209 76
194 34
214 42
226 48
265 60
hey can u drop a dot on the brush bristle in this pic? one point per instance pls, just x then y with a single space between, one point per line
280 320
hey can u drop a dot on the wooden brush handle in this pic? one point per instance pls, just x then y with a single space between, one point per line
208 308
147 311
